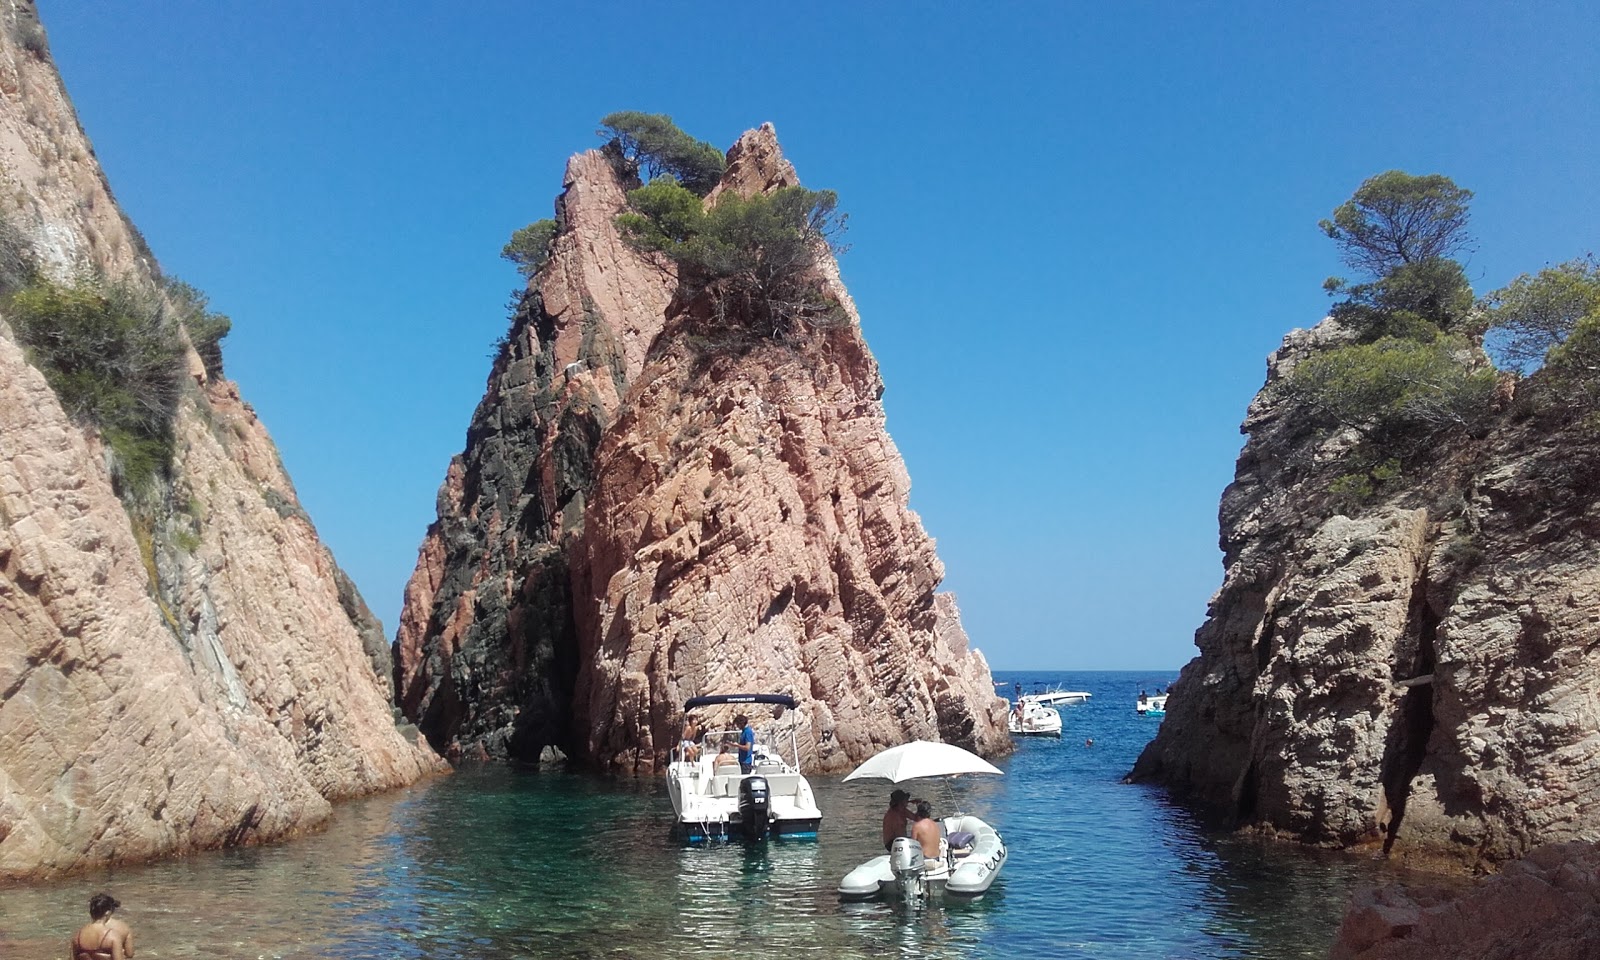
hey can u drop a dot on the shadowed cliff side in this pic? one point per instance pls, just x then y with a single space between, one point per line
485 654
641 517
189 673
1417 671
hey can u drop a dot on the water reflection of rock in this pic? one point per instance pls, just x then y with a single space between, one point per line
1265 894
286 902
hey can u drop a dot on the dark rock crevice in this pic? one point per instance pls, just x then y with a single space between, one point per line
1406 744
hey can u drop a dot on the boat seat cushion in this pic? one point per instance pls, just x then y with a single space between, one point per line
961 842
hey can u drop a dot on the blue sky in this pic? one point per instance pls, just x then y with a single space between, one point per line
1077 230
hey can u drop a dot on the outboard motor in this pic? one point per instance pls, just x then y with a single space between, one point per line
906 863
755 807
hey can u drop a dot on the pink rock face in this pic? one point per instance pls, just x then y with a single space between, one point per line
748 530
202 675
741 524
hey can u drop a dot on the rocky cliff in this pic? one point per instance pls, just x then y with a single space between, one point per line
193 673
640 517
1418 670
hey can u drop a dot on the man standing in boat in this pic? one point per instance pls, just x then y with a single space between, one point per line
747 743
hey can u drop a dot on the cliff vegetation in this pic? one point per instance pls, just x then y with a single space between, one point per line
1404 634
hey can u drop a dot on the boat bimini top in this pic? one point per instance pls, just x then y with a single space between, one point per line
716 699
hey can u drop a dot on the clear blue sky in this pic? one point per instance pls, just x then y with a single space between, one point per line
1078 229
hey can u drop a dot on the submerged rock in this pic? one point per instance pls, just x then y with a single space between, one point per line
642 516
1546 906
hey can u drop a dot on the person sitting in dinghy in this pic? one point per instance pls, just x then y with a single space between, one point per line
925 830
896 818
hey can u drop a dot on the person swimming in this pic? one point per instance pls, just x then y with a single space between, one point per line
104 937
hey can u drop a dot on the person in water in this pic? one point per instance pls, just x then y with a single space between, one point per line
104 937
747 743
896 817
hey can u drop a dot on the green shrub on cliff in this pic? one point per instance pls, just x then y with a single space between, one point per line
651 142
1533 316
1415 301
1397 392
755 258
114 357
529 248
1394 219
206 329
1410 378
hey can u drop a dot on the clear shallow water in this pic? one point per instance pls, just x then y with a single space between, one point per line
497 863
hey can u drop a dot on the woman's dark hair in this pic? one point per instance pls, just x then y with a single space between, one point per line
101 904
924 809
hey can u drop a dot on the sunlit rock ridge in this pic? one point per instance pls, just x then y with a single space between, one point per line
636 520
1420 671
205 676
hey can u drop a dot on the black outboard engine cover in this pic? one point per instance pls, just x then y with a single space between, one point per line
755 805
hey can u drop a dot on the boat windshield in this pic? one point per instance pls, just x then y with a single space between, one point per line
777 742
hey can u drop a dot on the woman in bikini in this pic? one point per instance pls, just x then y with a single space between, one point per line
104 937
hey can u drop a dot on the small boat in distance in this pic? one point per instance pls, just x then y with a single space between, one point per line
1151 706
719 801
1056 697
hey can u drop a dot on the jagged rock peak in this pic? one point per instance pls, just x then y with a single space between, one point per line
737 519
756 164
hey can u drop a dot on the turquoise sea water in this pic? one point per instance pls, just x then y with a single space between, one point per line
492 863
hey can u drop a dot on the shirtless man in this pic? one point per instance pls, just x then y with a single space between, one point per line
690 739
104 937
926 830
896 817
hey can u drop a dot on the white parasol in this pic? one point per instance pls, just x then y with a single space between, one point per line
922 758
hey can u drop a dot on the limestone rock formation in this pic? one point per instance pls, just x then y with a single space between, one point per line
1419 671
1546 906
640 518
195 675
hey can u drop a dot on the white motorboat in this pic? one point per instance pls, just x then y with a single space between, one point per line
720 801
1151 706
1059 697
1030 718
971 852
